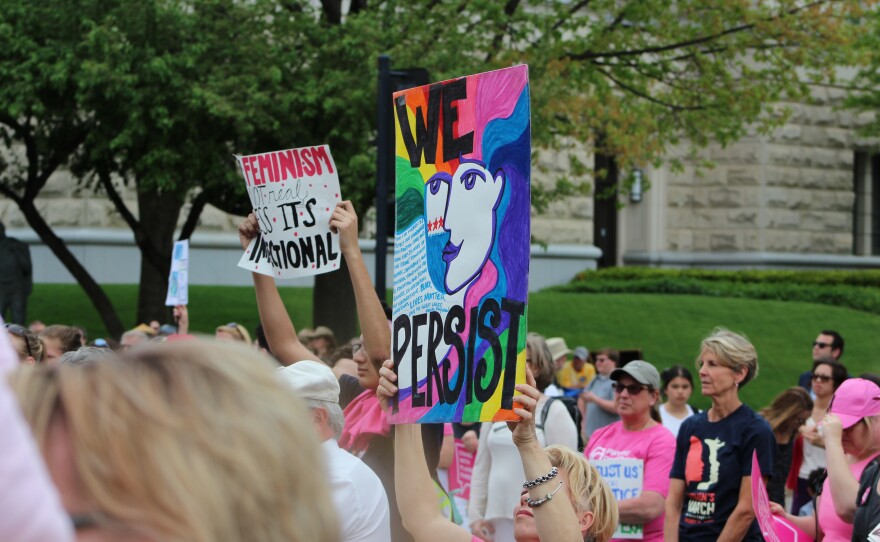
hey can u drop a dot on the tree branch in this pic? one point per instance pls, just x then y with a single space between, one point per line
10 193
648 97
192 218
509 9
587 55
149 250
580 5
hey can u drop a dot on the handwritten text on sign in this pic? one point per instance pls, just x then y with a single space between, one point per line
293 193
625 477
462 240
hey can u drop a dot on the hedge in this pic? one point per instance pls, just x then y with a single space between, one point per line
858 290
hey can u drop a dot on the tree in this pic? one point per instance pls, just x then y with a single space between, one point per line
159 93
150 94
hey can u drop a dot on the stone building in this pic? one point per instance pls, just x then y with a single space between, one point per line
805 195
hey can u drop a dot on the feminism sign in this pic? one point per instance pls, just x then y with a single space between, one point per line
293 193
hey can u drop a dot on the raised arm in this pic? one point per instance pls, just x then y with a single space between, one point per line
280 333
181 316
416 499
371 315
555 519
844 486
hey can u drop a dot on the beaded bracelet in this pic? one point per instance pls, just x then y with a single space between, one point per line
539 502
541 479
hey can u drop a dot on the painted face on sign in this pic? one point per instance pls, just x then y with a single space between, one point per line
471 197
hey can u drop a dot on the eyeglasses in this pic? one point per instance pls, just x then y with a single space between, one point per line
820 345
21 332
821 378
633 389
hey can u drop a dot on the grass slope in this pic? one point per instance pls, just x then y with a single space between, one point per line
668 328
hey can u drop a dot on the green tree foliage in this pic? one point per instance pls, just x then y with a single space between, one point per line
159 93
863 88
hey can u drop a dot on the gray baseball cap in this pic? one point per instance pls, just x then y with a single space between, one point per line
581 353
642 371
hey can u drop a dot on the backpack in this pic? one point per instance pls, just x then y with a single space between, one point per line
570 404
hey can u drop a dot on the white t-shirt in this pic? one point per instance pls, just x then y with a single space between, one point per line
358 496
671 422
814 456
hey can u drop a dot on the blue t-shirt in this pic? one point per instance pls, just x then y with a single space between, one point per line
712 458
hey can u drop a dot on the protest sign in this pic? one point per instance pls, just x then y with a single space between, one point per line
178 277
773 528
461 470
462 241
293 193
625 477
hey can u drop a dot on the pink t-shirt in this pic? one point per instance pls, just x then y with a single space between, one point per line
655 446
835 529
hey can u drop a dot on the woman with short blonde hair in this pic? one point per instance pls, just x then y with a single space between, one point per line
710 488
733 351
184 441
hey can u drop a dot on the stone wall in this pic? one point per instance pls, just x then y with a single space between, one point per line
65 204
790 191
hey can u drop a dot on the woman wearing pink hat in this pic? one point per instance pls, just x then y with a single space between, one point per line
851 430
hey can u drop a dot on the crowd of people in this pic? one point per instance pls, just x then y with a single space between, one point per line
169 436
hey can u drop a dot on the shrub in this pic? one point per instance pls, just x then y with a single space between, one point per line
852 289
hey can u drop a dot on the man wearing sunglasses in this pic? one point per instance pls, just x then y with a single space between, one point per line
829 343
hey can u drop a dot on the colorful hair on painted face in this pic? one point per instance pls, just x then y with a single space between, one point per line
462 235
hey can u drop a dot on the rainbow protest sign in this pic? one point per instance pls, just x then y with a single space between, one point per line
462 239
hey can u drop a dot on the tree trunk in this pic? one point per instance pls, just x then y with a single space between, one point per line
333 303
92 289
161 213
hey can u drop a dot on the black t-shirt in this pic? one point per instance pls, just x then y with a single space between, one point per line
380 455
712 458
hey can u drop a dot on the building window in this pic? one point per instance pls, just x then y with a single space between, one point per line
866 212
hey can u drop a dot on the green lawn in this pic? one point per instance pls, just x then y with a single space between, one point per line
668 328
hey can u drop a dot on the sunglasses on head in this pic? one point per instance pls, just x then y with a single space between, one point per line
817 344
633 389
22 332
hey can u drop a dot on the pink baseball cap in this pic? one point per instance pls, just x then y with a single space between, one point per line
855 399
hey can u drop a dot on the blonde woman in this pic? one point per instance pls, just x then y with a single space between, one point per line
497 467
710 495
186 441
588 511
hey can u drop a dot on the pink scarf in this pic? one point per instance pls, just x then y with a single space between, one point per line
364 419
